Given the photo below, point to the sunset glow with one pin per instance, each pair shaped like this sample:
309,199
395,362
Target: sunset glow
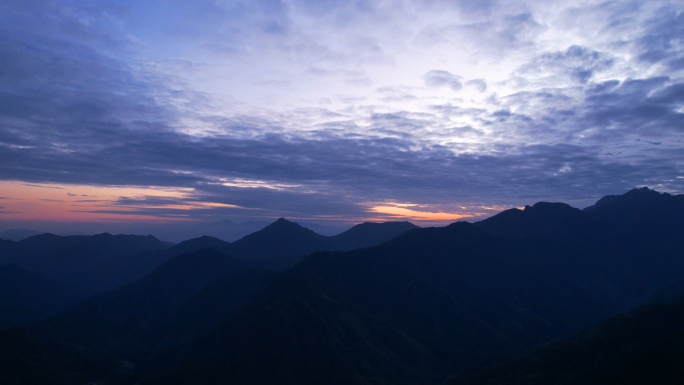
397,212
60,202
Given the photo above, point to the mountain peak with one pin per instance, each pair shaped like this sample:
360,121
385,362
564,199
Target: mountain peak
636,196
283,223
550,208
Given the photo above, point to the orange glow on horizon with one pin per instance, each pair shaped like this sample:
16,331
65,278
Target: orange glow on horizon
71,203
401,211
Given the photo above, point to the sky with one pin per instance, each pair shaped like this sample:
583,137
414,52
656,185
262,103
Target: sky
332,112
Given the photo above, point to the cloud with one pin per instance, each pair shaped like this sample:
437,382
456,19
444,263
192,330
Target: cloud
478,84
438,78
221,104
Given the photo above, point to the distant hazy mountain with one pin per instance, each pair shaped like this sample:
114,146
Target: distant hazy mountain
642,347
86,262
17,234
123,269
26,297
225,230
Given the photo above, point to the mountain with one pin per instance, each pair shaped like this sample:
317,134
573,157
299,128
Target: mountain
26,297
9,251
86,262
415,309
225,230
27,360
641,212
285,239
17,234
195,244
280,239
189,294
140,318
642,347
433,301
369,234
410,310
623,247
118,270
541,219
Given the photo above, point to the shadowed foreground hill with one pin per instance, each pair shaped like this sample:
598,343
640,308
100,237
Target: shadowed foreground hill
415,308
27,297
642,347
127,322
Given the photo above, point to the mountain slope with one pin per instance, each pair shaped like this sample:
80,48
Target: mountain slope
410,310
285,239
369,234
542,219
81,261
17,234
26,297
280,239
642,347
641,212
108,322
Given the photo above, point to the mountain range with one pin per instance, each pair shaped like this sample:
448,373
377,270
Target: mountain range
466,303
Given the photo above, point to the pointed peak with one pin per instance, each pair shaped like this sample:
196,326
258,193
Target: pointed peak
283,223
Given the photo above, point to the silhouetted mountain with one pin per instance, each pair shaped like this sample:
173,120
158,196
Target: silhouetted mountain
369,234
642,347
27,360
108,322
123,269
641,212
9,251
278,240
185,297
414,309
544,219
225,230
17,234
202,312
26,297
409,310
196,244
624,247
119,323
285,239
86,262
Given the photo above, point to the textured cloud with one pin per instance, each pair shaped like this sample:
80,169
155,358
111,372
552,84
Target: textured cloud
437,78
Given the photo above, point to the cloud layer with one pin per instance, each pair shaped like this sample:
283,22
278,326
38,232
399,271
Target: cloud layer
328,110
